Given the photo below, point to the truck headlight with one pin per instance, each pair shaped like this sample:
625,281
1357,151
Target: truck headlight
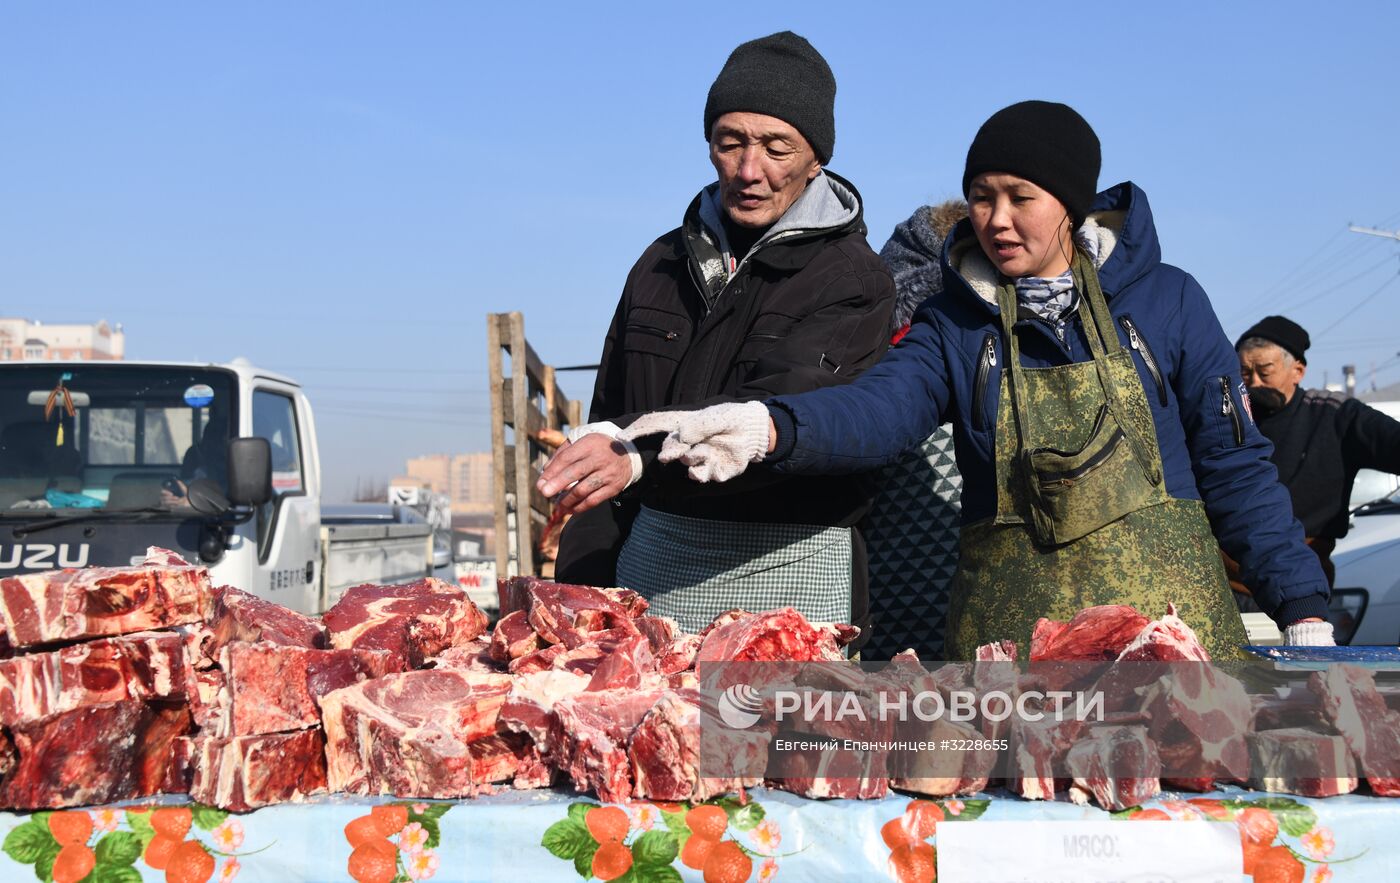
1344,611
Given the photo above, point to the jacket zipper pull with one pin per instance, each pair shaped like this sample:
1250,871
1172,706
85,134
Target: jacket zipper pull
991,353
1133,340
1226,406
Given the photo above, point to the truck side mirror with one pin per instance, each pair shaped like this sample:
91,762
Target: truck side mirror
249,471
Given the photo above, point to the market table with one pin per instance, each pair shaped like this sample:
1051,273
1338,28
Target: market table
544,835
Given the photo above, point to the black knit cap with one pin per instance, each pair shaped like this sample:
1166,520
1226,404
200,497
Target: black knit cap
781,76
1282,331
1046,143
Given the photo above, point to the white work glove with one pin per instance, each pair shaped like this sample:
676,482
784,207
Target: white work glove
716,443
614,432
1309,634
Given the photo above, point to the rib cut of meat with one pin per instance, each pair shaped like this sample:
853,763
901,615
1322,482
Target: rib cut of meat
782,635
270,688
239,616
590,736
411,734
77,758
1116,766
98,602
1371,730
665,752
414,621
1094,633
246,772
148,665
1298,761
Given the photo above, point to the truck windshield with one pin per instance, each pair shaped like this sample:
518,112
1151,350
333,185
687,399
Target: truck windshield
114,436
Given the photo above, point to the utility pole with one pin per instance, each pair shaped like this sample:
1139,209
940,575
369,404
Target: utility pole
1372,231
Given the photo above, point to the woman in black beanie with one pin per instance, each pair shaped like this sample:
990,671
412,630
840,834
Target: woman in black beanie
1096,406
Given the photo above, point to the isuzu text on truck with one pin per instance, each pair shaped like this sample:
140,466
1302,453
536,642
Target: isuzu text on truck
99,460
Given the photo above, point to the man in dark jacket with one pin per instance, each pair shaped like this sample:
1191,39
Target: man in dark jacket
1321,439
767,287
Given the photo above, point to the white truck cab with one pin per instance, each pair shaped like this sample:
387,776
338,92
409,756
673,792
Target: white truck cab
99,460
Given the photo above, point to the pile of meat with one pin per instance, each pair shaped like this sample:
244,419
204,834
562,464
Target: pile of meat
1189,727
121,683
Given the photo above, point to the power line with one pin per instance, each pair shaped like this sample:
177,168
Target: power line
1365,300
1313,295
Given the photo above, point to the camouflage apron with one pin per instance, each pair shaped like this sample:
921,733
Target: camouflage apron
1083,516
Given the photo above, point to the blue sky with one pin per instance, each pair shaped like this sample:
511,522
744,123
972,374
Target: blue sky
343,191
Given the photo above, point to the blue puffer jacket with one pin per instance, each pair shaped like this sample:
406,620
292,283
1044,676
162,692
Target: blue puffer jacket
948,368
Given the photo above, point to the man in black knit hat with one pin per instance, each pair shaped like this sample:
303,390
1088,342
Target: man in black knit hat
767,287
1321,439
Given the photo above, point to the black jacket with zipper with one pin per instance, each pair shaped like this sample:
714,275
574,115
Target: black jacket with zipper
802,311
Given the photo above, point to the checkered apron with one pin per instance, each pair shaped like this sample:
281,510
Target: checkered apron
693,569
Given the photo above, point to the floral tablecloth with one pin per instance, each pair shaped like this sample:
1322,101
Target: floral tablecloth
553,835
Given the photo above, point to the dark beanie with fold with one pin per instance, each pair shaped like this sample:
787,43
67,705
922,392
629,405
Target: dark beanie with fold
1046,143
1282,331
781,76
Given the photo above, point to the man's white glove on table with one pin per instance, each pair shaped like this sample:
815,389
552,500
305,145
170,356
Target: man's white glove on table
716,443
1309,634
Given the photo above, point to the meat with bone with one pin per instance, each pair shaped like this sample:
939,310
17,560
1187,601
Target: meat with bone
1038,749
1201,718
1372,731
81,757
665,752
940,773
589,741
269,688
1298,761
162,761
660,631
414,621
565,614
513,637
239,616
1117,767
679,655
474,656
413,734
777,635
529,706
627,663
1168,639
246,772
1093,634
99,602
146,665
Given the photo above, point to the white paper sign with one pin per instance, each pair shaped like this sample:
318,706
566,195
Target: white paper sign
1089,852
